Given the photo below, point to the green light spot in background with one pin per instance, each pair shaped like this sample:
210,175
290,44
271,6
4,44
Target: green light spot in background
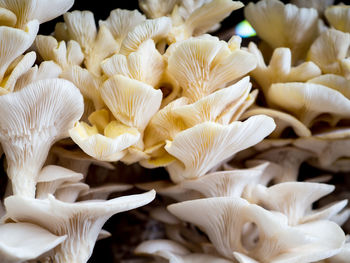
244,29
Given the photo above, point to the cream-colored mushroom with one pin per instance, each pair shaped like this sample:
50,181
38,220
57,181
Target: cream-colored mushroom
41,10
132,102
156,29
280,68
202,17
293,27
20,242
14,42
202,147
203,65
19,67
52,177
32,120
120,22
81,221
339,17
63,54
145,64
335,82
46,70
283,121
307,101
224,183
157,8
330,51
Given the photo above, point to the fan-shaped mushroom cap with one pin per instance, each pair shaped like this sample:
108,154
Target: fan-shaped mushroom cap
41,10
20,242
65,55
205,145
326,150
157,8
293,27
81,221
51,177
339,17
204,64
69,191
295,199
131,102
200,18
46,70
14,42
329,52
108,147
307,101
333,81
223,219
145,64
120,22
155,29
15,71
32,120
224,183
280,68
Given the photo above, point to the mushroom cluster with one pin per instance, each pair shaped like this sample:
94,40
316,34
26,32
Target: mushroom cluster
231,125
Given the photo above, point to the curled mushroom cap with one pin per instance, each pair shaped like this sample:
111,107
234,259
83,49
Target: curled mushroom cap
329,52
204,64
51,177
41,10
280,68
14,42
81,221
293,27
307,101
33,119
120,22
295,199
156,8
194,18
145,64
339,17
155,29
224,218
205,145
24,241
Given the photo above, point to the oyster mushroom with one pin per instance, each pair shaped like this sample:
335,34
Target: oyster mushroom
33,119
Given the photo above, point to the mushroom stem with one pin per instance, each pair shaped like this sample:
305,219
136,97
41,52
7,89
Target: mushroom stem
23,183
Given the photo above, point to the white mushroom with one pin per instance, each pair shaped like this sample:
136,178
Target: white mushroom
81,221
51,177
20,242
205,145
293,27
42,10
32,120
